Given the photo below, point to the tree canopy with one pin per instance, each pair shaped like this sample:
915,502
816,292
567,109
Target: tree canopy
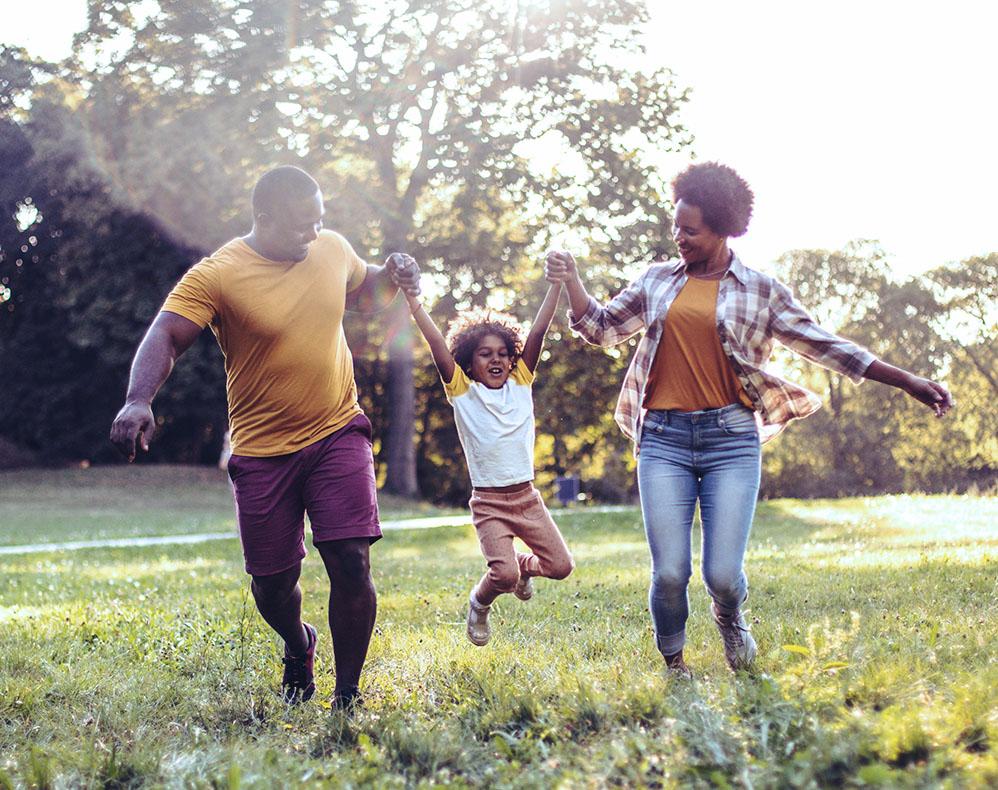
472,135
416,116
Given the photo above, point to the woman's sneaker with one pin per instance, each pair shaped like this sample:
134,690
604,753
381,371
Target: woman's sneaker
298,684
524,589
739,646
677,667
478,622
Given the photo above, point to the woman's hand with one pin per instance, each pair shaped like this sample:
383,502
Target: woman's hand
930,393
559,267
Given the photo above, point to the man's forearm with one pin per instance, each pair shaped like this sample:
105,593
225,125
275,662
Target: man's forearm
151,367
376,293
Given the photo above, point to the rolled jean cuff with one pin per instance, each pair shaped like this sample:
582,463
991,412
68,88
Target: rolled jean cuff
670,645
729,611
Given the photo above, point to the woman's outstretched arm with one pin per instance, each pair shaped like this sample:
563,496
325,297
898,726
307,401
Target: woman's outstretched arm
793,326
929,392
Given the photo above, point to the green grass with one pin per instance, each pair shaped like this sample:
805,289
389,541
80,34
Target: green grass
132,667
43,506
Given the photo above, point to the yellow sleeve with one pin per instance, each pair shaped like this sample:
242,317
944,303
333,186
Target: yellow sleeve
521,373
195,297
459,383
356,266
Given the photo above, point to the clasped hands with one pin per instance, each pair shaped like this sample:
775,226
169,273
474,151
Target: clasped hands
404,272
559,266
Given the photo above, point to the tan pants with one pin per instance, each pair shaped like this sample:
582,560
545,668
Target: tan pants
500,517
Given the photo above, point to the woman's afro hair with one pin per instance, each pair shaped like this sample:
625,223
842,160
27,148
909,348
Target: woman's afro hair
723,197
467,330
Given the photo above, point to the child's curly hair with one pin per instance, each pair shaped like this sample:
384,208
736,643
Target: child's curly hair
467,330
723,197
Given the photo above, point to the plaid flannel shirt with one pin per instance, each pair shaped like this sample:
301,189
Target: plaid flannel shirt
753,310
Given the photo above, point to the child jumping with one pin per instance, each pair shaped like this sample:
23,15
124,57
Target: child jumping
487,370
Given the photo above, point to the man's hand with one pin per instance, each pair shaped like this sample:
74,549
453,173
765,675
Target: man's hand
134,420
930,393
404,272
559,267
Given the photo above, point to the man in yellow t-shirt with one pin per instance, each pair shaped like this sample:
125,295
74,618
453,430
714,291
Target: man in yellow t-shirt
274,300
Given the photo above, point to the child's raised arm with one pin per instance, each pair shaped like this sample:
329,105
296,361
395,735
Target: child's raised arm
535,338
434,338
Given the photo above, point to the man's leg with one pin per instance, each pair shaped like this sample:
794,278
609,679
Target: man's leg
270,513
278,599
342,503
352,609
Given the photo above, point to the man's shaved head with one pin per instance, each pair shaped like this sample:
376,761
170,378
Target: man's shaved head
287,214
281,186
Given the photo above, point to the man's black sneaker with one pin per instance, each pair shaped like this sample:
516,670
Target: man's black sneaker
347,700
298,684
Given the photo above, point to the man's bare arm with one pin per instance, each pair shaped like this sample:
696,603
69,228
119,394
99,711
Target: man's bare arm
382,283
169,336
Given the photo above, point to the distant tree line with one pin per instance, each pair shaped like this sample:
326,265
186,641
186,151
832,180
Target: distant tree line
121,170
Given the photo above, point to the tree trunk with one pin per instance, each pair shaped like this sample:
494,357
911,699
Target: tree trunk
400,455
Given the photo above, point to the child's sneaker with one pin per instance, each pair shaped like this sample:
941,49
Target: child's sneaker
524,589
298,683
739,646
478,622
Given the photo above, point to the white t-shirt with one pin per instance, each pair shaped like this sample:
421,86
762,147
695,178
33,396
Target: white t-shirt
496,426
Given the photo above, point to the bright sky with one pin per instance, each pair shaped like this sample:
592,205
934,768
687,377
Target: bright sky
855,119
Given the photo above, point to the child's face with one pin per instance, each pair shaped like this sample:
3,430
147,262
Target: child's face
491,364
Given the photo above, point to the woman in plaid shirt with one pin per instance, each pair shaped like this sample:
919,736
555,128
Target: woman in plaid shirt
698,402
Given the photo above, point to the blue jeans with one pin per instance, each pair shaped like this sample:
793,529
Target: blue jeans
712,456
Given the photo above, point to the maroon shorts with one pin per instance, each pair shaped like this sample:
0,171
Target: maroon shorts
332,480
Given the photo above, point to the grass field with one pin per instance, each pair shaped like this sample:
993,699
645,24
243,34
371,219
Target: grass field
876,621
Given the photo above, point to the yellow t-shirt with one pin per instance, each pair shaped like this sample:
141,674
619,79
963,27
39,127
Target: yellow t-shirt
289,372
691,371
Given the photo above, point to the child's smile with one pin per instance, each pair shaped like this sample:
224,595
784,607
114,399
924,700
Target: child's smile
491,363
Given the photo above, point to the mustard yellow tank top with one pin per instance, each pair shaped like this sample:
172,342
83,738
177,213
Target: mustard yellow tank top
691,371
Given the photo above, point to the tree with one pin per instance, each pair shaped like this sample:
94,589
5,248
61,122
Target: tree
415,115
80,278
873,439
968,292
842,290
